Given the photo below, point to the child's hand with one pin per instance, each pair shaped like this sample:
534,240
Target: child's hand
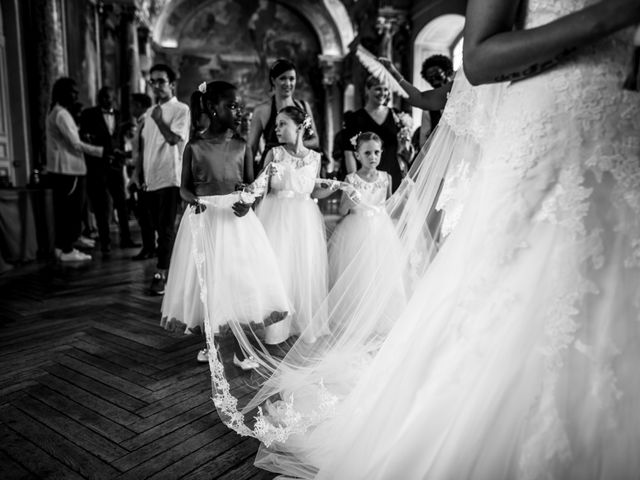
240,209
198,207
328,184
352,194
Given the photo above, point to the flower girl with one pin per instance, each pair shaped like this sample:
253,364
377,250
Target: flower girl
294,224
224,275
365,244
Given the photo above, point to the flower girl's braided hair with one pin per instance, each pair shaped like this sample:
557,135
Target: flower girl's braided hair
299,117
362,137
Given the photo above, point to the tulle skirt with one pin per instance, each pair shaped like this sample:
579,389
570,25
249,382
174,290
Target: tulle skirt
295,227
365,246
182,309
238,270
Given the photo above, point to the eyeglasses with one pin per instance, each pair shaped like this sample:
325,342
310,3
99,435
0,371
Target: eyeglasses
158,81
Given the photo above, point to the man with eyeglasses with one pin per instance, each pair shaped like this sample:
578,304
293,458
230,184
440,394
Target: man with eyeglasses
162,140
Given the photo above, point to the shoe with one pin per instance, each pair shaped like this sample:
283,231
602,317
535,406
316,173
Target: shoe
203,356
106,249
157,284
57,252
84,242
143,255
74,256
129,244
247,364
87,240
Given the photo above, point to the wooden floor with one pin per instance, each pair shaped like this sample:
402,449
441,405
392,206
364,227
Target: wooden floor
92,387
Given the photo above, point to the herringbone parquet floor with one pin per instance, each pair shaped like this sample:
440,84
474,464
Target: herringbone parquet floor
91,386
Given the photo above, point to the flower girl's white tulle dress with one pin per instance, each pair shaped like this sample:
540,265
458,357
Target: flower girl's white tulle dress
365,244
295,227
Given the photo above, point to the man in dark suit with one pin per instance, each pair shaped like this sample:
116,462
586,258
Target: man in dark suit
101,126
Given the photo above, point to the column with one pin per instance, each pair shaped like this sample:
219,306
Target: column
331,68
392,26
129,58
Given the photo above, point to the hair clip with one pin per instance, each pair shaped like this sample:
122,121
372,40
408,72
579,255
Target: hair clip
354,140
203,87
306,123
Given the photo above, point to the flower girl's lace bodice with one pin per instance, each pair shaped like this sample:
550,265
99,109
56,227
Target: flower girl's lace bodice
372,195
294,174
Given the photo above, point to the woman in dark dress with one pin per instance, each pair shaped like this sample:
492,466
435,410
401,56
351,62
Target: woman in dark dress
282,76
380,119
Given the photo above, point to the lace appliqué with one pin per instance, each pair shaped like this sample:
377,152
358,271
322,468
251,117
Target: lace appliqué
281,156
281,420
381,182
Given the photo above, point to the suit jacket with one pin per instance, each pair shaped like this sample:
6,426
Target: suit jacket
93,129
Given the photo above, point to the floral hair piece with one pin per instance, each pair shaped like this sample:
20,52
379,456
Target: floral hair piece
203,87
306,124
354,140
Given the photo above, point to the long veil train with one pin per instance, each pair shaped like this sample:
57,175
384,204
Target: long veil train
299,385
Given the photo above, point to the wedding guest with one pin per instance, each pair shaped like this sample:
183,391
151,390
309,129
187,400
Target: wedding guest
382,120
66,168
101,125
140,103
282,77
163,137
437,71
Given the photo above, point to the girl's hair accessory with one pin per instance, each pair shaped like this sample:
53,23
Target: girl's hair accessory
362,137
306,123
354,140
203,87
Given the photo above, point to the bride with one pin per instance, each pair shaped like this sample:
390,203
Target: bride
517,355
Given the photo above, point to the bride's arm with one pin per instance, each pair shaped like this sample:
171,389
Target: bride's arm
495,52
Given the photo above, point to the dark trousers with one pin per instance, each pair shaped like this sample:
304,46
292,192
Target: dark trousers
143,214
68,202
103,183
163,206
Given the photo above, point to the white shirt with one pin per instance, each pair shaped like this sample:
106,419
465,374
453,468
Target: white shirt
64,147
162,162
110,121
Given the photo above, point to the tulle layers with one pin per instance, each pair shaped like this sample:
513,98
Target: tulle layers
518,361
238,273
363,245
516,355
182,310
295,228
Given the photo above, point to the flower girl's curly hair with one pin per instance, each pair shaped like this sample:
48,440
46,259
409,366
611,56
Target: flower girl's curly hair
299,117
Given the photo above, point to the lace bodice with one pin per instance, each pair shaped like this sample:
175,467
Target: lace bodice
587,87
372,194
294,174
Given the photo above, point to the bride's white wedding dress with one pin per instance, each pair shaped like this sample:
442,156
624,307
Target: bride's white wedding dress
518,355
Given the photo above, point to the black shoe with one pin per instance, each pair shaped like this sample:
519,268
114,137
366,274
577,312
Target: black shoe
157,284
106,249
129,244
143,255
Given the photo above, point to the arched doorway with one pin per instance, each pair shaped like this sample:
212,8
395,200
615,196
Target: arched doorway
236,40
